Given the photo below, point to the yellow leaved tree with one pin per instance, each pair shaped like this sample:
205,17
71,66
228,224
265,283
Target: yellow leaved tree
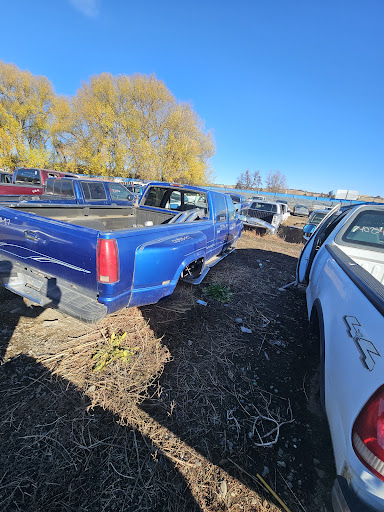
130,126
133,126
25,109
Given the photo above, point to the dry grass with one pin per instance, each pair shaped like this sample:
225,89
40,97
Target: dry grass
186,411
119,387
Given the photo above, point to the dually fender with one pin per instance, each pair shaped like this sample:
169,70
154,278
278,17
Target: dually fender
160,262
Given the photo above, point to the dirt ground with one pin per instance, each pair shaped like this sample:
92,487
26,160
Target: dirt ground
188,418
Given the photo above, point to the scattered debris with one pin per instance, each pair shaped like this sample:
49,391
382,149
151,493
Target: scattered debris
202,302
320,473
50,323
246,330
223,489
277,343
284,288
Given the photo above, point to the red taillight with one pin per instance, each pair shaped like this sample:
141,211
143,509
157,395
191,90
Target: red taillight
368,434
107,261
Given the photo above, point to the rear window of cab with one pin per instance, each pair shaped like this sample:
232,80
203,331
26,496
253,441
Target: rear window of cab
367,229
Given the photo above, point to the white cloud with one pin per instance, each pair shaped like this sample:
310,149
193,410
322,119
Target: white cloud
89,8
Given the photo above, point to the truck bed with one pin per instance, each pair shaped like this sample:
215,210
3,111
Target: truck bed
110,218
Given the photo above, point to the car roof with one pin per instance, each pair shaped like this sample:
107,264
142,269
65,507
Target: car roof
320,211
267,202
235,194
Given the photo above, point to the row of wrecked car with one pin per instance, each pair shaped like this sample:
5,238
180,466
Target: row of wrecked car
260,213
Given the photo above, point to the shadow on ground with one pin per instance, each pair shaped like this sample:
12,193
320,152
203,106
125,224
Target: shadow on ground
60,455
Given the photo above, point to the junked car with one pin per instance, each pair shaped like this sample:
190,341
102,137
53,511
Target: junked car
238,200
343,267
90,260
314,220
266,215
284,209
283,201
301,210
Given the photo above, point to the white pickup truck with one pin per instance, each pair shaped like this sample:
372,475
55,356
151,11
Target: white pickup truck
343,267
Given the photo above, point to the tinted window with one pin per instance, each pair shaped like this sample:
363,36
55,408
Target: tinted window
156,197
5,178
67,188
49,187
231,209
220,207
28,176
367,229
118,192
235,198
94,191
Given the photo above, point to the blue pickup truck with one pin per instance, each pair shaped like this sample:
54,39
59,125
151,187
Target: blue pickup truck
85,191
91,260
78,191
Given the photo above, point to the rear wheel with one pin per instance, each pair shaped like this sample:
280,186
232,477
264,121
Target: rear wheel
193,270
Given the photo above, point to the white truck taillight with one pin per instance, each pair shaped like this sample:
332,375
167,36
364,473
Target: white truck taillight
107,261
368,434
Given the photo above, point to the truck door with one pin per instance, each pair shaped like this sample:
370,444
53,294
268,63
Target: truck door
233,224
314,243
220,222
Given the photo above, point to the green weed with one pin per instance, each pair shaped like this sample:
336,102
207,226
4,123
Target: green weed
218,292
113,352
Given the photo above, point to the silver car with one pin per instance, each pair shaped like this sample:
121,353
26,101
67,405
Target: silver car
300,209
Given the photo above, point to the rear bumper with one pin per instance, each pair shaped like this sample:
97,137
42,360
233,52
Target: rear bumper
50,292
344,499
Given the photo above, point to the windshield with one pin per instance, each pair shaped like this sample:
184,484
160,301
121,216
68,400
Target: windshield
316,217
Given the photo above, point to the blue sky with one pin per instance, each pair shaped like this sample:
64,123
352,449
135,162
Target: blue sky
295,86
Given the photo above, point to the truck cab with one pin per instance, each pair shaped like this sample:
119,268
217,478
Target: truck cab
32,176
